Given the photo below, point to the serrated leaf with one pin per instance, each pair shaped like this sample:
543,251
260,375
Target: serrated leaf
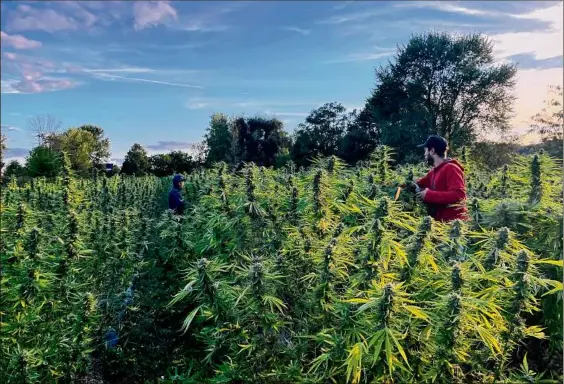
558,263
189,318
398,346
417,312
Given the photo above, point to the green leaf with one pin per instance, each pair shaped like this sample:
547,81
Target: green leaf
417,312
354,363
558,263
318,361
274,302
378,340
557,288
488,339
388,347
525,363
189,319
400,349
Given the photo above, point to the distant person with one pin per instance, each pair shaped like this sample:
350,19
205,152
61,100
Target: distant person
442,189
175,200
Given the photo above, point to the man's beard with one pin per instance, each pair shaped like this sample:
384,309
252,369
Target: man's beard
429,159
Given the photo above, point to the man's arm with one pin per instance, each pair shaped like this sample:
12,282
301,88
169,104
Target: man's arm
425,181
179,202
455,192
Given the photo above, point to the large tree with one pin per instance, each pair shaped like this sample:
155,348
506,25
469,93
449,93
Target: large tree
165,164
43,127
43,161
101,150
321,133
136,161
218,139
79,144
258,140
548,122
160,165
441,84
361,139
13,170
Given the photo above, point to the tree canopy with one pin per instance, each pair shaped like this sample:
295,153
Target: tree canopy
43,162
257,139
321,133
218,139
136,161
441,84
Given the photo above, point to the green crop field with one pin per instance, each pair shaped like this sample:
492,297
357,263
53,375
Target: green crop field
283,276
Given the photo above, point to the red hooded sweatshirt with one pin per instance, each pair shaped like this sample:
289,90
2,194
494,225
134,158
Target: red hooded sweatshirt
446,195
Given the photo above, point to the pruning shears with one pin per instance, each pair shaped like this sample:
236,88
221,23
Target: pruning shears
413,186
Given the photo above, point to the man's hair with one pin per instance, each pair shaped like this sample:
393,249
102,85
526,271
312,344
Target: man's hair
441,152
438,143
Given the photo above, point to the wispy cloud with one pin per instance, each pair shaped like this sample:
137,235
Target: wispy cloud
120,70
152,13
24,74
205,102
362,56
18,41
27,18
301,31
109,76
342,4
10,128
170,145
197,105
446,6
287,114
14,153
38,85
543,44
356,16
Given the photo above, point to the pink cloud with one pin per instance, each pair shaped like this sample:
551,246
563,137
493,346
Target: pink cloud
10,55
30,19
27,75
41,85
18,41
152,13
70,15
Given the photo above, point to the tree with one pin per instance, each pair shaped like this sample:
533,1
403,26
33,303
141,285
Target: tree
441,84
160,165
321,133
361,139
79,144
174,162
218,139
101,151
13,170
181,162
548,122
43,162
258,140
136,161
43,126
2,150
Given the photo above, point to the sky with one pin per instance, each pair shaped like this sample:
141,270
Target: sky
154,72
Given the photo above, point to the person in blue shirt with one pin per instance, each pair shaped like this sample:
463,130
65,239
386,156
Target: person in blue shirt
175,200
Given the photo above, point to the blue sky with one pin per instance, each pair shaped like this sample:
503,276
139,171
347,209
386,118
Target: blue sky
154,72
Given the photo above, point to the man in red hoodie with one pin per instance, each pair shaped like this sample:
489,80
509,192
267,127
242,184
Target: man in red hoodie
443,189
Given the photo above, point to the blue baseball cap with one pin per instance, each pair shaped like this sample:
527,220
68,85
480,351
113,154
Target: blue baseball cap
178,178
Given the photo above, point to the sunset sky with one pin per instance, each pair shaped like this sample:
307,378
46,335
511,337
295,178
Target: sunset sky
153,72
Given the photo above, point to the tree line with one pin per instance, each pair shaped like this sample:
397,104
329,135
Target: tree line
438,83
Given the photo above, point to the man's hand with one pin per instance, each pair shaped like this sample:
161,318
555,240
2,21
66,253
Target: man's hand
422,194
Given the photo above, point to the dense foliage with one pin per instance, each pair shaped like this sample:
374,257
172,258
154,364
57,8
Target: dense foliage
283,276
